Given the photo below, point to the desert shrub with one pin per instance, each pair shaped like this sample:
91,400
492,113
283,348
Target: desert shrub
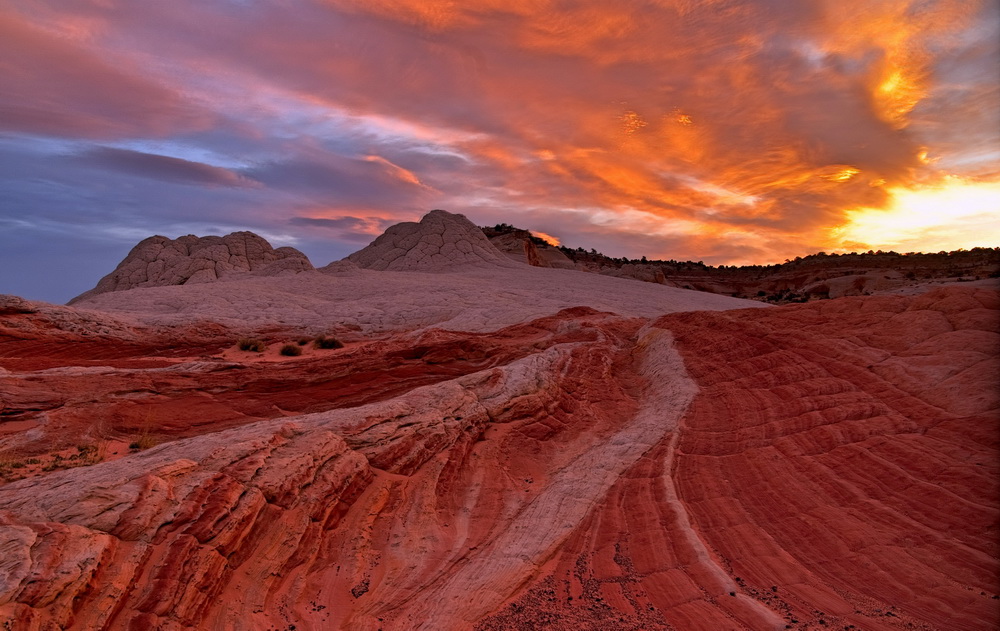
291,350
327,342
304,340
144,441
251,344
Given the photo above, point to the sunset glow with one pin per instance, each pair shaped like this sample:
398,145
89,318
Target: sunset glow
945,217
750,131
548,238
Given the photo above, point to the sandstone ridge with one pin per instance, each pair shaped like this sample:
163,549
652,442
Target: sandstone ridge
159,261
830,465
439,241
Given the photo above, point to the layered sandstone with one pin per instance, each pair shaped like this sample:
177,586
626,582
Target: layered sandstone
502,446
816,466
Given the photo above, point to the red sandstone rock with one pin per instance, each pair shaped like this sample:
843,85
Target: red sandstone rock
819,465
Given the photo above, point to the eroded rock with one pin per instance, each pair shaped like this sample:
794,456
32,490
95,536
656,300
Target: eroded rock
439,241
159,261
825,465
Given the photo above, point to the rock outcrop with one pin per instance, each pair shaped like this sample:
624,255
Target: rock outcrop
159,261
818,276
827,465
10,305
638,271
439,241
520,246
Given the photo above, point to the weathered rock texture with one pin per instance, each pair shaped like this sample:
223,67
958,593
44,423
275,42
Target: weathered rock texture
439,241
828,465
159,261
520,246
468,298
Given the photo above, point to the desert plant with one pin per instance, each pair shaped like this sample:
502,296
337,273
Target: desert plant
327,342
291,350
142,441
251,344
87,454
303,341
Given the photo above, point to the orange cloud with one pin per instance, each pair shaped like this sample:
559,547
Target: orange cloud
714,129
398,171
548,238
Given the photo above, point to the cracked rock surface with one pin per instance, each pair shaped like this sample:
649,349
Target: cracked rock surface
440,241
159,261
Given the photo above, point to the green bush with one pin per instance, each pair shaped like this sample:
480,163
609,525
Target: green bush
291,350
327,342
251,344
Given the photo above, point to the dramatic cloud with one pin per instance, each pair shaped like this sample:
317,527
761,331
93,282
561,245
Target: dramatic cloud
727,131
161,167
54,84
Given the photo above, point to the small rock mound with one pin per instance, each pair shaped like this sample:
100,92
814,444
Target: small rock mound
159,261
11,305
441,240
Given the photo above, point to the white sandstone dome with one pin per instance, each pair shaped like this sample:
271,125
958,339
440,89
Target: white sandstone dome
159,261
440,241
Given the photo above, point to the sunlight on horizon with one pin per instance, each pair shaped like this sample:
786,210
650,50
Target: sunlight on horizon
958,214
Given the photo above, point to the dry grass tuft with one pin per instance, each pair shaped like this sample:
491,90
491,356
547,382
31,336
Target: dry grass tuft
251,344
327,342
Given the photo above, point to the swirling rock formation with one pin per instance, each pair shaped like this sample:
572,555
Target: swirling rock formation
159,261
498,447
828,465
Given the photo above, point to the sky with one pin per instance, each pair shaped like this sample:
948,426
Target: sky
726,131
